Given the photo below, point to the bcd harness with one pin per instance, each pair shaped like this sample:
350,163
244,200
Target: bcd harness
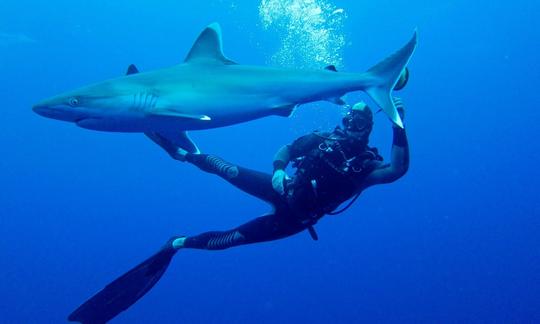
329,174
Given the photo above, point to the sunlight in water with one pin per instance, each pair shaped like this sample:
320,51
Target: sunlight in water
311,32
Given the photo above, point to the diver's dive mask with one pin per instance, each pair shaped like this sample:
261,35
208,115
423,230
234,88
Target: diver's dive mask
359,119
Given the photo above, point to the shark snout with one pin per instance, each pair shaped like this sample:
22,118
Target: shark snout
46,111
56,112
42,110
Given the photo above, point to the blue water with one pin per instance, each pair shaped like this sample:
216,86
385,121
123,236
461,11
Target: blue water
455,241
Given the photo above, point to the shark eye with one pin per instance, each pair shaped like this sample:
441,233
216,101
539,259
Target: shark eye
73,102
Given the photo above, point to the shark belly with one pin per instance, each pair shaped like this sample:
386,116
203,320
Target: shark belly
113,124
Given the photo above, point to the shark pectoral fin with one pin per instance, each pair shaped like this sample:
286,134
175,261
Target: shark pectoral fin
172,114
208,47
386,74
170,141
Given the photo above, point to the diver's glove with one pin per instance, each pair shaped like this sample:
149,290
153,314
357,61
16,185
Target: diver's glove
278,181
400,108
400,137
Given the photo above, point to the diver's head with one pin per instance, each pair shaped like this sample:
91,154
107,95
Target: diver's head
358,122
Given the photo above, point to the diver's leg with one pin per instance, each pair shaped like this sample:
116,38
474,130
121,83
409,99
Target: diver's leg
253,182
262,229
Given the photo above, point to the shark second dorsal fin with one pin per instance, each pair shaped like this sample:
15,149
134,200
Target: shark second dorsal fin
132,69
207,47
331,68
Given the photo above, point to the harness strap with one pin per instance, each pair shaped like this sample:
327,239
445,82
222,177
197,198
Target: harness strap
346,207
312,232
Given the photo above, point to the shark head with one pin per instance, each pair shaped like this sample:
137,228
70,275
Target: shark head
71,106
90,105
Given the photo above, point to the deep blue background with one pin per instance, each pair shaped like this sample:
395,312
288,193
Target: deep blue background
454,241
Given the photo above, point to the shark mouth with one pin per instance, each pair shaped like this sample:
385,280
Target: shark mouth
91,123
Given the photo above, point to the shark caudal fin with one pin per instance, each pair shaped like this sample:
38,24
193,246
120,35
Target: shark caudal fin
386,75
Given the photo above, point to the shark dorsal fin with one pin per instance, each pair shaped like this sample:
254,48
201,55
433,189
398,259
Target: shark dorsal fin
132,69
207,47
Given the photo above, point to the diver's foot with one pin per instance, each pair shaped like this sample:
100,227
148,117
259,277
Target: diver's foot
178,243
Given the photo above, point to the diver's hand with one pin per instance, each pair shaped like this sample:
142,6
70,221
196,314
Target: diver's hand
278,181
400,107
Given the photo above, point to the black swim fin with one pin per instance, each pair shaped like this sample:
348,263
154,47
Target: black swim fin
123,292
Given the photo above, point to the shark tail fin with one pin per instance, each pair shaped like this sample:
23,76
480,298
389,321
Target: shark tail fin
386,74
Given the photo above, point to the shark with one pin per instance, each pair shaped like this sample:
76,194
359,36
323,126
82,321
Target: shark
208,90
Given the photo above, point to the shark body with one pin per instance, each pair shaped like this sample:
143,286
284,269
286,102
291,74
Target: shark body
208,90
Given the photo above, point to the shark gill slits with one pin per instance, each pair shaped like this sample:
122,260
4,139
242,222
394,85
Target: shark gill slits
145,105
154,101
138,101
144,101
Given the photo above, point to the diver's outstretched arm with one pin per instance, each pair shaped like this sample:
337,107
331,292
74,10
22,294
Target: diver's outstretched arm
281,160
399,158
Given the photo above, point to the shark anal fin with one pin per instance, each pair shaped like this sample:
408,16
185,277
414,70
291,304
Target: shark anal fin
132,69
208,47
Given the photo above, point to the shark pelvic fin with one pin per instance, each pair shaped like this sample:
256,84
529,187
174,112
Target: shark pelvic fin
208,47
132,69
337,101
171,140
284,111
386,74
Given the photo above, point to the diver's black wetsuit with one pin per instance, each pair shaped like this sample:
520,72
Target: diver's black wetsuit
282,222
292,213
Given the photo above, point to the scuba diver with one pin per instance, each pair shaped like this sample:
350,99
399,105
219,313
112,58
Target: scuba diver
331,168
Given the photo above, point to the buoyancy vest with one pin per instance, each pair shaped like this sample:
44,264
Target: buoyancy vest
331,172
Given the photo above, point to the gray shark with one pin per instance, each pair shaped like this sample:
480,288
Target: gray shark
209,90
